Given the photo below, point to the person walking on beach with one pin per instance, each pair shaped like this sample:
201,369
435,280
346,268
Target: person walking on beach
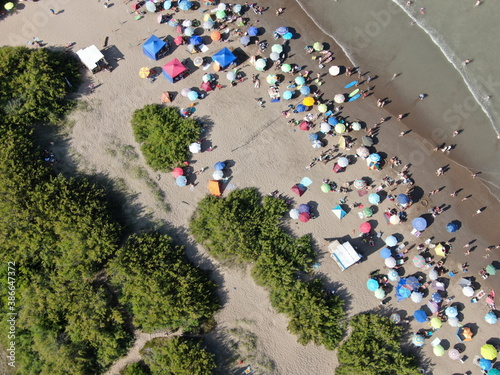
466,62
478,211
52,11
400,117
439,172
421,96
455,193
279,11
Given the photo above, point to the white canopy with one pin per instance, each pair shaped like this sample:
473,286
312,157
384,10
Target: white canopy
90,56
343,254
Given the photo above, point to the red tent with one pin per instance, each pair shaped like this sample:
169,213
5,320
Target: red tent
206,86
337,168
299,189
304,217
365,227
173,70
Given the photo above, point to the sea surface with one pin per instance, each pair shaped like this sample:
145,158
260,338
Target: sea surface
427,49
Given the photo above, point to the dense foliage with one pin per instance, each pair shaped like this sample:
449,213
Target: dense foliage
373,348
136,369
177,356
242,227
163,289
164,135
33,84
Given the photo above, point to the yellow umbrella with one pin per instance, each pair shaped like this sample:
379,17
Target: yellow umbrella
488,351
144,72
342,144
436,323
9,6
439,249
308,101
322,108
207,17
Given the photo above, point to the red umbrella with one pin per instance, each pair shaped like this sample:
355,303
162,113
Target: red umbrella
177,172
304,217
178,29
304,125
178,40
136,6
365,227
206,86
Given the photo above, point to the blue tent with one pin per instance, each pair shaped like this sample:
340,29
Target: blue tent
153,46
224,57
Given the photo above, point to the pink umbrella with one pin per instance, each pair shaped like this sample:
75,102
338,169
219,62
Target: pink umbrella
304,217
365,227
178,29
178,40
454,354
177,172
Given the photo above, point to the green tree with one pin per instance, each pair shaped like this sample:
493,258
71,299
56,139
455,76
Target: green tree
139,368
373,348
178,356
164,135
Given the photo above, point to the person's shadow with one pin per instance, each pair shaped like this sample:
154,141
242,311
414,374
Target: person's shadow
60,12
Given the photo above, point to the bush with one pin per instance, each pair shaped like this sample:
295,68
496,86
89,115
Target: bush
139,368
164,135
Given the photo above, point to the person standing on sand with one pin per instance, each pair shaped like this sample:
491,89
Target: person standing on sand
439,172
478,212
52,11
400,117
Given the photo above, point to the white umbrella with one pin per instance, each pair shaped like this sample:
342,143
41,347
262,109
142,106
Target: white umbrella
187,23
393,275
334,70
417,297
231,76
339,98
218,175
325,127
343,162
379,293
294,213
208,25
185,91
394,219
274,56
433,274
390,262
454,322
189,31
317,144
222,6
468,291
195,147
356,126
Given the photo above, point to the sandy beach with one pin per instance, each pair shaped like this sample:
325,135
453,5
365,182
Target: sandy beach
265,152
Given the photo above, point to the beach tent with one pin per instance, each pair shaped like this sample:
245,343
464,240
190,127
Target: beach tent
153,47
92,58
343,254
224,58
214,188
299,189
173,70
338,211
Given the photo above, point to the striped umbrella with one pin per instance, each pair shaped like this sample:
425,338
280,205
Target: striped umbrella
419,261
418,340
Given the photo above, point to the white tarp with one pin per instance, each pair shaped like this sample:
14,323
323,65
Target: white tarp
343,254
90,56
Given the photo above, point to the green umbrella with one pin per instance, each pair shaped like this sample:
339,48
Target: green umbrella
438,350
325,188
322,108
220,14
318,46
285,68
379,293
9,6
278,48
436,323
260,64
490,269
368,212
488,351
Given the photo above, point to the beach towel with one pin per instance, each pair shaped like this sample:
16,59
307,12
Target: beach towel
306,181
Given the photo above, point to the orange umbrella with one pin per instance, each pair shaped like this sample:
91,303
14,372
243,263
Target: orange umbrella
215,35
144,72
214,188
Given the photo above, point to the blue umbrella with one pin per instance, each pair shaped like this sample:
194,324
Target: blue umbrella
451,227
485,364
185,5
300,80
288,36
393,275
181,181
391,241
403,199
451,312
305,90
419,223
300,108
253,31
237,8
219,166
282,30
420,316
374,198
374,157
167,5
196,40
312,136
245,40
192,95
436,297
333,121
287,95
385,253
490,318
304,208
404,292
372,285
417,340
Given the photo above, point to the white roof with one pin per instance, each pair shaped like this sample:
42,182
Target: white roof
90,56
344,254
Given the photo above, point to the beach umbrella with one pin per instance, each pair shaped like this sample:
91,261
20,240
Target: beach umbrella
287,95
181,181
395,318
325,188
185,91
304,125
177,172
167,4
245,40
278,48
359,184
178,40
339,128
451,227
207,77
222,6
374,157
451,312
485,364
339,98
454,354
374,198
215,35
494,371
367,211
440,250
274,56
272,79
367,141
416,297
252,31
160,18
334,70
196,40
391,241
403,199
338,211
419,261
294,213
454,322
282,30
237,8
260,64
365,227
379,293
438,350
333,120
312,136
144,72
189,31
220,14
219,166
385,253
436,323
9,6
231,76
178,29
300,108
185,4
187,23
393,275
491,270
317,144
433,274
420,316
173,22
322,108
304,217
343,162
288,36
195,147
419,223
218,175
403,293
362,152
468,291
372,285
325,127
394,219
417,340
305,90
390,262
300,81
208,25
436,297
488,351
432,306
490,318
192,95
318,46
356,126
151,7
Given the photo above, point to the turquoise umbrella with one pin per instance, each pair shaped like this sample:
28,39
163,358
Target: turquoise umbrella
287,95
192,95
372,285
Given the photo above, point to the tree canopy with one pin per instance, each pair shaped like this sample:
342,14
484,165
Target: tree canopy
373,348
164,135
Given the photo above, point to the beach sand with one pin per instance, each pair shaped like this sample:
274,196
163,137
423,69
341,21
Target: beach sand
264,152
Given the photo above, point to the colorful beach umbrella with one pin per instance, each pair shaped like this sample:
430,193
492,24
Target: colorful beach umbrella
454,354
300,81
185,4
252,31
451,312
178,40
436,297
372,285
418,340
215,35
490,318
245,40
272,79
219,166
260,64
325,188
367,211
419,261
167,4
488,351
403,198
144,72
340,128
196,40
393,275
485,364
177,172
419,223
491,270
438,350
287,95
436,323
282,30
322,108
365,227
451,227
220,14
440,250
304,217
395,318
317,144
192,95
494,371
305,90
9,6
333,120
359,184
318,46
278,48
288,36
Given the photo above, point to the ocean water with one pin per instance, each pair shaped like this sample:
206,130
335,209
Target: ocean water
427,49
